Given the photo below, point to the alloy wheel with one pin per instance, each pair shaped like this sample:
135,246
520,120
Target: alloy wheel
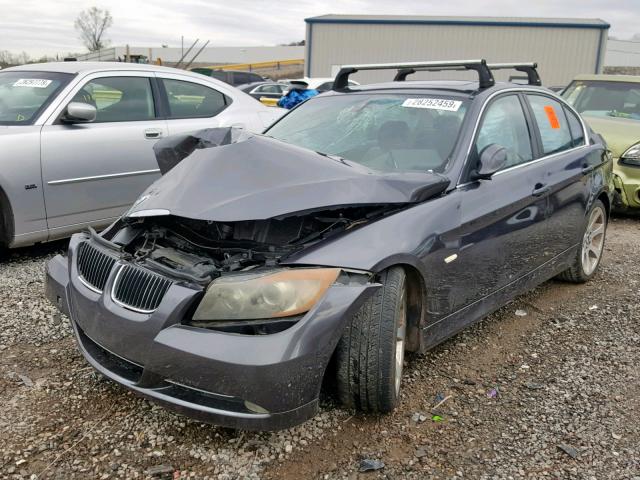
401,334
593,240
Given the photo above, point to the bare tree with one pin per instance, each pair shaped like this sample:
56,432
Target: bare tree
92,24
8,59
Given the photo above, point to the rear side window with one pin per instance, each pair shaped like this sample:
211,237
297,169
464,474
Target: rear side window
324,87
269,89
219,75
254,77
504,124
552,124
240,77
192,100
118,99
577,133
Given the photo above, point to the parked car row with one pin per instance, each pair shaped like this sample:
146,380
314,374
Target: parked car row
232,77
367,222
269,92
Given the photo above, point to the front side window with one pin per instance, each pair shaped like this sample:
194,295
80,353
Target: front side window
388,132
552,124
192,100
504,124
118,99
24,94
605,99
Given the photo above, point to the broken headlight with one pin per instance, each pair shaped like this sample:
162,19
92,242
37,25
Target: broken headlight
275,294
631,156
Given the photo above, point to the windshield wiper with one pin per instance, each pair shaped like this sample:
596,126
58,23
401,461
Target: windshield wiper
337,158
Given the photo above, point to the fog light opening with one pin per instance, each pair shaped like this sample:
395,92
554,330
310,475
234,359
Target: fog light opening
252,407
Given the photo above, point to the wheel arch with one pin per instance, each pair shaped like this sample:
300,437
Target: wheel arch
7,224
604,198
416,305
416,295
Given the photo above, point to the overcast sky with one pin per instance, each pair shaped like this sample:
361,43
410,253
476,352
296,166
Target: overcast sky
41,27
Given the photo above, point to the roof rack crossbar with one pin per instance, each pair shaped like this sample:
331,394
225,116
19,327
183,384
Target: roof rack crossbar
529,68
480,66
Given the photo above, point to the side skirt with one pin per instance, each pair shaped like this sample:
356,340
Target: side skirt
445,328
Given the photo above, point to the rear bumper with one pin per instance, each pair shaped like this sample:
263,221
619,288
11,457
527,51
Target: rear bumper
265,382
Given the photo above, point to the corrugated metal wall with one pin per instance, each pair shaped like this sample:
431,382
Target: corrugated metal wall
622,53
561,53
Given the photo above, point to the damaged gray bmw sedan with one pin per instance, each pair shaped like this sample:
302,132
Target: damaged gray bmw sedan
367,222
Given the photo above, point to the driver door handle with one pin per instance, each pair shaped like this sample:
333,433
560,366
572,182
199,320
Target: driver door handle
540,189
153,133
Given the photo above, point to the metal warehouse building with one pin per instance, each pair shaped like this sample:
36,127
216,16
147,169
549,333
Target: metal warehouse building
562,47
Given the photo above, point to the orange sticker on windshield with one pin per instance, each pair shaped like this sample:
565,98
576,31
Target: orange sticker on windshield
551,115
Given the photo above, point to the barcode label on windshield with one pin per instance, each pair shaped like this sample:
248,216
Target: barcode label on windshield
433,103
32,82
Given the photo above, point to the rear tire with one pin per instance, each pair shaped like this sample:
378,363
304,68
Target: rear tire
370,354
587,259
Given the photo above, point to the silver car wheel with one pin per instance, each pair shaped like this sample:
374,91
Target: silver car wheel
401,334
593,240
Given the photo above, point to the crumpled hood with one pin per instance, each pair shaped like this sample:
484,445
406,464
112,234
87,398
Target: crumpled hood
619,133
260,178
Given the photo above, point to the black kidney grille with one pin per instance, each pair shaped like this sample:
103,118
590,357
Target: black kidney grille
139,289
94,266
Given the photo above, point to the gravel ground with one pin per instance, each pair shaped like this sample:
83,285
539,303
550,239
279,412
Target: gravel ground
548,387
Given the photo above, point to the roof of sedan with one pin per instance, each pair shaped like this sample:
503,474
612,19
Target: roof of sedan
78,67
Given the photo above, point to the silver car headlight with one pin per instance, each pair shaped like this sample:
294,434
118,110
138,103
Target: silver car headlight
274,294
631,156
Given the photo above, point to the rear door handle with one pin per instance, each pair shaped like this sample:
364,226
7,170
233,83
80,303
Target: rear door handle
540,189
153,133
588,169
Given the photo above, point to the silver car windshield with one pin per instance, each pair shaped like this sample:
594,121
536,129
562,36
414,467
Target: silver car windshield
24,94
388,132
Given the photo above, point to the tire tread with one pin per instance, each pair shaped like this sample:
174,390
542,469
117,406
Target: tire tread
364,363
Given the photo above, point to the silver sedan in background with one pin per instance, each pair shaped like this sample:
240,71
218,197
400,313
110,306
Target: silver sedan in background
76,138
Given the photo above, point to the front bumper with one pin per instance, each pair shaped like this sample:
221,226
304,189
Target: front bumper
208,375
627,184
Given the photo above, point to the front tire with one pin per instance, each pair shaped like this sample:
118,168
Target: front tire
588,256
370,354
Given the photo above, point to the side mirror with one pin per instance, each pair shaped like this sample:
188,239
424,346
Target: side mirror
78,112
492,159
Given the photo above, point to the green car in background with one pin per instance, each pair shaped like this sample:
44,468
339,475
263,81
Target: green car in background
610,104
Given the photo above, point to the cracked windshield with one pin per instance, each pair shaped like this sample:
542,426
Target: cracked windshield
382,132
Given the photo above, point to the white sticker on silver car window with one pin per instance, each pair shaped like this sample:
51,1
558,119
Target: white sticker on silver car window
32,82
433,103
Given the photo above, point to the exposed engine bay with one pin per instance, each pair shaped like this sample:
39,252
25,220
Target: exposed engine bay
199,251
